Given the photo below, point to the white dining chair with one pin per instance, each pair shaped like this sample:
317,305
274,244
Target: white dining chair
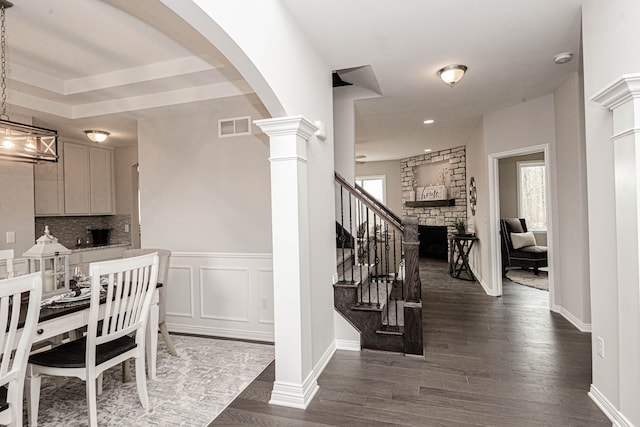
14,363
6,255
120,336
163,277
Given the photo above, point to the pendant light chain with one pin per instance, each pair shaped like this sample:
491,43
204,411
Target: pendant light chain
3,61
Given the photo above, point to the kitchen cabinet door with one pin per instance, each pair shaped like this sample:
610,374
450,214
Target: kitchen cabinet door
101,170
49,186
77,194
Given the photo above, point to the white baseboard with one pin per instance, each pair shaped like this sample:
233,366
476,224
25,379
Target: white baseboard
221,332
479,279
349,345
582,327
294,395
300,395
608,409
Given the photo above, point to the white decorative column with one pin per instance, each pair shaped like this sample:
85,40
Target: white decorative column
294,385
622,97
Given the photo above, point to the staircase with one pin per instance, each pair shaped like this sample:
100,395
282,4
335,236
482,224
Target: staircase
378,288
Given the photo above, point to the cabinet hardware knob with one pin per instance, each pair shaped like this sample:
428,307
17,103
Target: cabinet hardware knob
40,331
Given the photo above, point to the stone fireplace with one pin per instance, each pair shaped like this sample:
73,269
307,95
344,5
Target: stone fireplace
433,170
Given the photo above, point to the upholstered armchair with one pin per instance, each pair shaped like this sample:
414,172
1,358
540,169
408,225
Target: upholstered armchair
519,248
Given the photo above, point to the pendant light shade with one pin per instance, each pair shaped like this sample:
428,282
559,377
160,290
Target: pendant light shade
452,74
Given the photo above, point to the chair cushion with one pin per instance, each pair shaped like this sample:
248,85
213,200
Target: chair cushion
73,353
530,252
521,240
3,398
513,225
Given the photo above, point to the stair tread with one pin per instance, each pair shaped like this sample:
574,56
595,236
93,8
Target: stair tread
359,275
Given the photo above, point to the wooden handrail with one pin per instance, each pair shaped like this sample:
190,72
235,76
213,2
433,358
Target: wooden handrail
371,202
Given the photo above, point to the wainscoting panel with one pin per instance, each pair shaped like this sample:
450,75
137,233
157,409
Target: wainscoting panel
265,286
224,293
181,297
218,294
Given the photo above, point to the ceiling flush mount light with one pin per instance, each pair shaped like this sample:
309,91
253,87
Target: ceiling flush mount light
452,74
97,135
429,121
21,142
427,150
563,57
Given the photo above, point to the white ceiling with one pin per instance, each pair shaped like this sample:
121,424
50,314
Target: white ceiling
85,64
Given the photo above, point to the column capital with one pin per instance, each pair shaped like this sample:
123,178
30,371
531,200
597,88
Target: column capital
280,126
619,91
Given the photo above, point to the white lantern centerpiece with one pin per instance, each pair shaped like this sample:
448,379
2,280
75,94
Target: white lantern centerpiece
51,259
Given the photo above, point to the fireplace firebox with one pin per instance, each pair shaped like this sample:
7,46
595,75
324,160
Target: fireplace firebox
433,242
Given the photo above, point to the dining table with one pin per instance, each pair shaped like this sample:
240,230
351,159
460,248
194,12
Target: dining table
58,318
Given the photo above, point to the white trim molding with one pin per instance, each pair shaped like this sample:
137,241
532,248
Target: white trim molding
619,91
581,326
348,345
608,409
292,395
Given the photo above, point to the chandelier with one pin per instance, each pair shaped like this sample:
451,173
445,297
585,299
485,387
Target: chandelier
21,142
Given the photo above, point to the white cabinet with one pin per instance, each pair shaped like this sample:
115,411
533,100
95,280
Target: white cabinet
49,186
101,181
76,179
88,180
81,183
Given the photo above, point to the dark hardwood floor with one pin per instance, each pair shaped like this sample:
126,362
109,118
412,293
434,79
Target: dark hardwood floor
488,361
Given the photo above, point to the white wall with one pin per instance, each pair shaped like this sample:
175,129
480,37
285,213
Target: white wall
476,157
124,159
391,171
517,127
207,199
609,31
17,208
572,232
202,193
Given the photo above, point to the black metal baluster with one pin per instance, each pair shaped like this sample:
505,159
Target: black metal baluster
342,237
376,260
387,269
403,264
352,241
368,252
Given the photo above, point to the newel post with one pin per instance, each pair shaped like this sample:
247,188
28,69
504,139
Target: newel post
413,303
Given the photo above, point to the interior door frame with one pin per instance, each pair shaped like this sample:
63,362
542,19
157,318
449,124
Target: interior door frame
494,215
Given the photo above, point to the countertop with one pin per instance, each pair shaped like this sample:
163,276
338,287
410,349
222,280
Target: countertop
93,248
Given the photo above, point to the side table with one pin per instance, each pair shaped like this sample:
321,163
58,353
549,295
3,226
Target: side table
459,248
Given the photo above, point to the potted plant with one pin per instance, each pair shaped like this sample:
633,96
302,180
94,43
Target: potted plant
460,226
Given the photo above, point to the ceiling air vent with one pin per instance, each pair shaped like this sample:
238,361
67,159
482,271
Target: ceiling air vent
234,127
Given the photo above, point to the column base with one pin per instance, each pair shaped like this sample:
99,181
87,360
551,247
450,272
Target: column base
294,395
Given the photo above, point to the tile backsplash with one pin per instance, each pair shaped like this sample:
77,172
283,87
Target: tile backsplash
69,228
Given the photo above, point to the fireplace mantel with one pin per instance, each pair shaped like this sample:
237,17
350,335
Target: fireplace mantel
430,203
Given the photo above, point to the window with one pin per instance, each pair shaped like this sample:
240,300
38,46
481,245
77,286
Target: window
374,185
531,195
